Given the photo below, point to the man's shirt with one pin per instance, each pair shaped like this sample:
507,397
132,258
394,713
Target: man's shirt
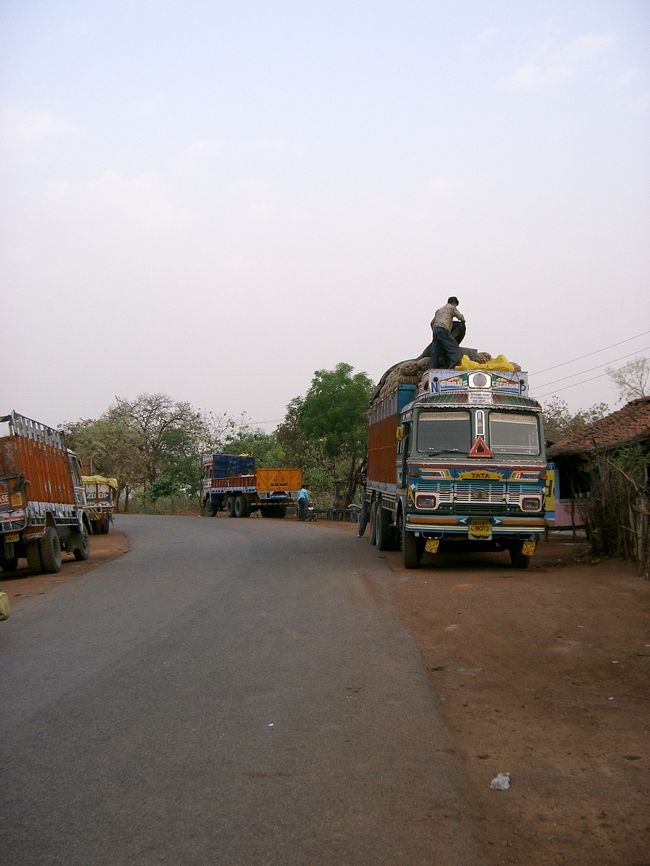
444,317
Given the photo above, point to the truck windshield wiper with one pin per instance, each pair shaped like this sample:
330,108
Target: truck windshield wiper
446,451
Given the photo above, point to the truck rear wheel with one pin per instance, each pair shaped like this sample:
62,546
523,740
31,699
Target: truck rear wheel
50,549
373,523
230,506
384,532
241,506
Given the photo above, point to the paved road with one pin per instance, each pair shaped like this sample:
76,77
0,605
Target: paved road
228,692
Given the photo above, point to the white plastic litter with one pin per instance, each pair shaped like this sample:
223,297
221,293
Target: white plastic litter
501,782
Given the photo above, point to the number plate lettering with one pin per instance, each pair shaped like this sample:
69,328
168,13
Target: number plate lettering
480,529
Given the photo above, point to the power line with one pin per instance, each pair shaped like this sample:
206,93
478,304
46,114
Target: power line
566,387
582,372
589,354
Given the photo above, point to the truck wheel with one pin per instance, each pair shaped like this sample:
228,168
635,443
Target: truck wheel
79,544
33,554
50,548
373,523
282,511
411,550
230,506
518,559
383,534
241,506
8,563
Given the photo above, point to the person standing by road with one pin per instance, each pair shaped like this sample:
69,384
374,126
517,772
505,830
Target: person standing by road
303,502
443,340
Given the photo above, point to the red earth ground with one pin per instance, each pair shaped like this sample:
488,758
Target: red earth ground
542,674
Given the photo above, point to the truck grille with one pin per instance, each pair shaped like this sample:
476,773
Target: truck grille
478,497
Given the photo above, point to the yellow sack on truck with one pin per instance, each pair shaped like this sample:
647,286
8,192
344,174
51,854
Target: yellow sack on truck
500,364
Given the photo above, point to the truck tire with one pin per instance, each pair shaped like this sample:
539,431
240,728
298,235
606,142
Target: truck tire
517,558
33,554
373,523
50,549
79,544
241,506
8,563
411,550
384,532
230,506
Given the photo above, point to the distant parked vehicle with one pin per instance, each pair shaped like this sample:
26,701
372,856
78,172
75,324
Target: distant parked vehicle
232,484
100,499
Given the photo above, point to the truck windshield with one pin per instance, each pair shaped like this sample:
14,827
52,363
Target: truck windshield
514,433
444,431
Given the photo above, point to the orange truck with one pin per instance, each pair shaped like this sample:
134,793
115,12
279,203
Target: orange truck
42,498
231,483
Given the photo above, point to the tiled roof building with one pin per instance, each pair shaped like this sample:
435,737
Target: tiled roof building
627,425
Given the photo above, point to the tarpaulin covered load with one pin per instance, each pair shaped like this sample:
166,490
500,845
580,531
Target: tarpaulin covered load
99,479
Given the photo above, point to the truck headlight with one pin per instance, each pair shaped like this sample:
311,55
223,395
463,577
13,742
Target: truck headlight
531,503
426,500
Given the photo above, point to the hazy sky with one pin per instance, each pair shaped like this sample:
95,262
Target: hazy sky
214,200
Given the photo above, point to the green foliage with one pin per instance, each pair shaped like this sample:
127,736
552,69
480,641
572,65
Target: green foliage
331,423
559,421
153,444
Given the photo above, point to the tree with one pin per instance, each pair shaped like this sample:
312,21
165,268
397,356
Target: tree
333,416
165,433
558,420
631,379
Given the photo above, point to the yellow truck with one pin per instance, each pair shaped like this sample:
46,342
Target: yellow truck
101,493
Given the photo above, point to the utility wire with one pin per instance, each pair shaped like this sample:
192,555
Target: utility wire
566,387
582,372
589,354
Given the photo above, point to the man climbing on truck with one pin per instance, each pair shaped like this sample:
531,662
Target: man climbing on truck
443,340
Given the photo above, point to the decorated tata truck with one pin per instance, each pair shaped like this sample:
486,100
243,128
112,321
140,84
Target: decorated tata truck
456,462
42,498
231,483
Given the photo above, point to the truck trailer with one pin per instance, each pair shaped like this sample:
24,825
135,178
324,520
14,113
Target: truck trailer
42,498
231,483
456,462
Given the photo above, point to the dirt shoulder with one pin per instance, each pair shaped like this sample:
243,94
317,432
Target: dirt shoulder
543,674
21,585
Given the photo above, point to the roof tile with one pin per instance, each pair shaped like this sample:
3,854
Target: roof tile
629,424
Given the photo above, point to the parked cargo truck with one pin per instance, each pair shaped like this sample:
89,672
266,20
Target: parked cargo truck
42,498
232,484
456,463
100,501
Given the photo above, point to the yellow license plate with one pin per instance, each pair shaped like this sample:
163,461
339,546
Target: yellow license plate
12,536
432,545
480,529
528,548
